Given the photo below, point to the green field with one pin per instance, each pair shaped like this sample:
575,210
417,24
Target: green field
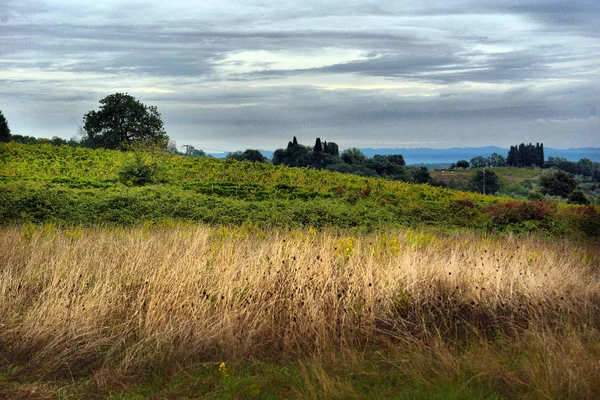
509,177
65,185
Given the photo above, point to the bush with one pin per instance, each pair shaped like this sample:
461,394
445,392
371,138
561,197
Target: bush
559,183
140,171
578,197
535,196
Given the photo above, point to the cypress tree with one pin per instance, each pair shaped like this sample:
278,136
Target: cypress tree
510,159
318,146
295,141
542,155
521,157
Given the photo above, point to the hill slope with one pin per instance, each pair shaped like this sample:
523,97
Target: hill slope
44,183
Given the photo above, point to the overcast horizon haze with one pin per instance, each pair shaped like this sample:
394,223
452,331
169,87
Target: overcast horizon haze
367,74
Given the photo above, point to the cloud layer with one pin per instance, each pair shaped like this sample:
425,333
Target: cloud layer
254,73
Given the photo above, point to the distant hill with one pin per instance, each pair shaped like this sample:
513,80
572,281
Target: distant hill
450,155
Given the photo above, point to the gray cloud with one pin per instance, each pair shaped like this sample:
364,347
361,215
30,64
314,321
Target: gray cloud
462,67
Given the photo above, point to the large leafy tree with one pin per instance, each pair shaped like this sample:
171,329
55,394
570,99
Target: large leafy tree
248,155
478,162
4,129
462,164
353,156
121,121
559,183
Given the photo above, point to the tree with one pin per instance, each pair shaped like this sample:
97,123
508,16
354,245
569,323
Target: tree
331,148
121,121
4,129
172,147
496,160
462,164
578,197
353,156
192,151
526,155
420,175
318,146
248,155
485,182
478,162
585,167
559,183
295,155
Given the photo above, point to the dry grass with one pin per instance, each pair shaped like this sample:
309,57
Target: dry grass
93,302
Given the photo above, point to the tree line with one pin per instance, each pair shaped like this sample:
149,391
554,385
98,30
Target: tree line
122,122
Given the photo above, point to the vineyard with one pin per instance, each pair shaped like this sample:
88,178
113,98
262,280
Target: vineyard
65,185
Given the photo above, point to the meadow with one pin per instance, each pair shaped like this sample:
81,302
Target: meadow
188,311
218,279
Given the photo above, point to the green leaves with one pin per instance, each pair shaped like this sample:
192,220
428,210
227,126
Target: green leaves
121,121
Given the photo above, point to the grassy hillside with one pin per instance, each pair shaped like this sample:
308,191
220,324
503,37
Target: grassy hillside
241,313
459,178
64,185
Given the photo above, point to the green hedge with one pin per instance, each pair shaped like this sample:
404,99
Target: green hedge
37,202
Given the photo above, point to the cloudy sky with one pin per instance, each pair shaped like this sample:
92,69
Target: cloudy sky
251,74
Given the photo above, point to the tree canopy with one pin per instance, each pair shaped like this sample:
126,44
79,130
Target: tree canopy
248,155
4,129
462,164
121,121
526,155
485,182
559,183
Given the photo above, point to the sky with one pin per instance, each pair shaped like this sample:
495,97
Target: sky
239,74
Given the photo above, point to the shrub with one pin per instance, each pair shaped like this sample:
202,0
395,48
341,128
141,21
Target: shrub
559,183
535,196
140,171
578,197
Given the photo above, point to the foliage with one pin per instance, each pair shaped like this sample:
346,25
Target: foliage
248,155
353,156
331,148
66,185
318,146
535,196
478,162
141,169
558,183
121,121
585,167
295,155
484,181
496,160
526,155
192,151
578,197
4,129
462,164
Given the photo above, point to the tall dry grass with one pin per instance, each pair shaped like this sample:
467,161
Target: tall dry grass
94,301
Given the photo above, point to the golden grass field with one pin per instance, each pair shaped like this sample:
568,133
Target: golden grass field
108,305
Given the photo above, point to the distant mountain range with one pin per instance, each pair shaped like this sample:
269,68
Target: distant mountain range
442,156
